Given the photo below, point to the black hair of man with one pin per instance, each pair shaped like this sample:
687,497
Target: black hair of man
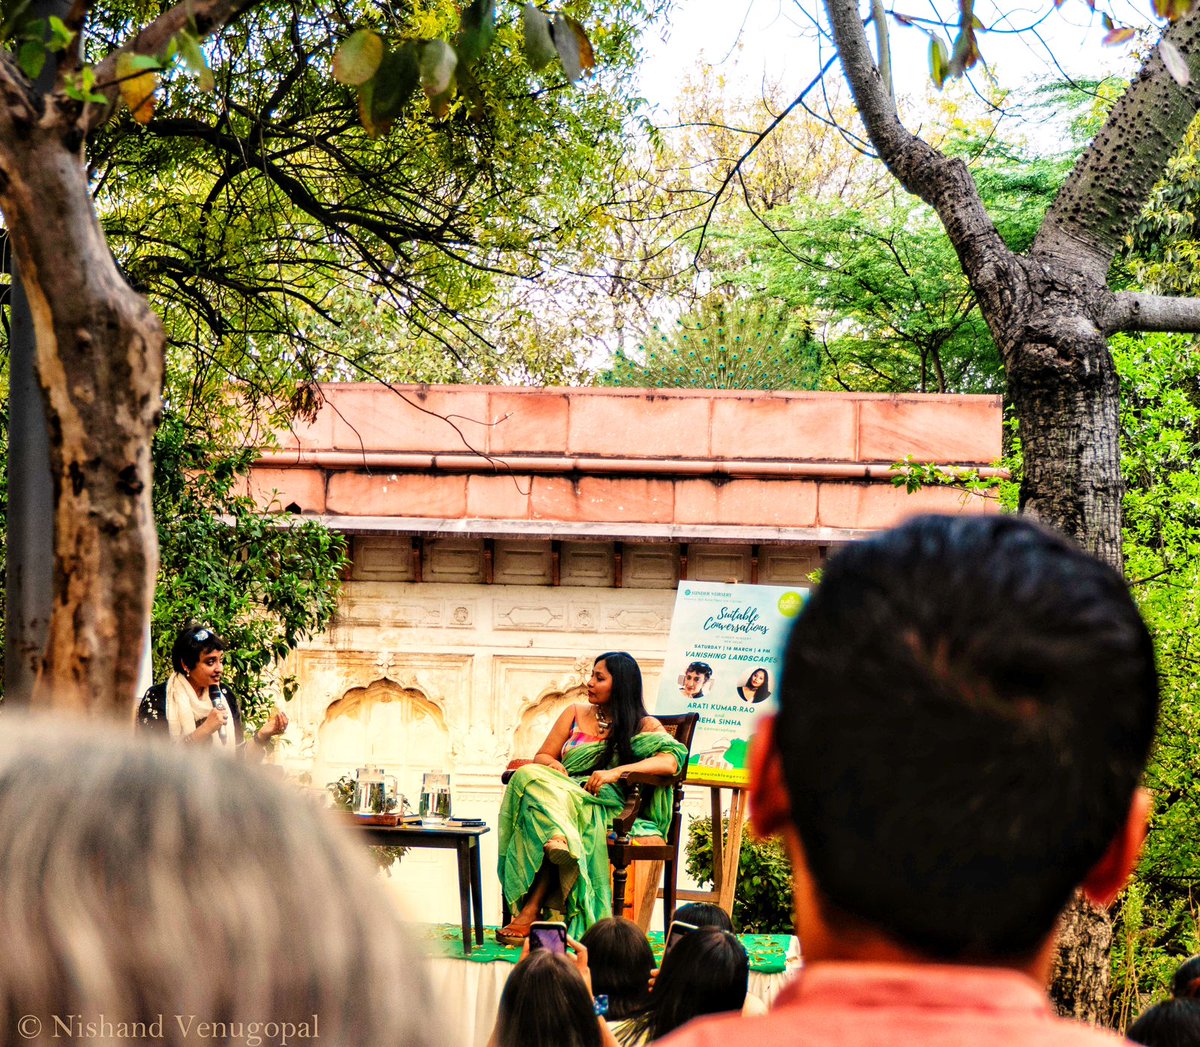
1186,983
1173,1023
966,708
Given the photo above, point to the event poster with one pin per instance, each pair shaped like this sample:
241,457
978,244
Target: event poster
723,660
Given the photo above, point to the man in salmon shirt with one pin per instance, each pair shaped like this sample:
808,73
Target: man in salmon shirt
966,708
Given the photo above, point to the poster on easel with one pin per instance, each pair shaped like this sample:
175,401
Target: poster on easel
723,660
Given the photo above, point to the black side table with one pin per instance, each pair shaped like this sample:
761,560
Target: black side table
464,839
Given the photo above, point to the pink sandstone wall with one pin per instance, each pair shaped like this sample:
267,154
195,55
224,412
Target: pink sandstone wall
674,458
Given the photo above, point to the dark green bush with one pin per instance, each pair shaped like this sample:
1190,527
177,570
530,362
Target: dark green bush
762,903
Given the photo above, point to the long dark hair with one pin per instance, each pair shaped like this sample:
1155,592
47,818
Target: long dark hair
545,1001
707,972
626,706
620,959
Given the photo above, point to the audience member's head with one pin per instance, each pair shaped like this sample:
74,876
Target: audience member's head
1186,983
620,959
546,1003
703,914
1175,1023
707,972
966,707
144,880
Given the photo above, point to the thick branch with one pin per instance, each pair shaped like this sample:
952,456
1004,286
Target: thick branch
1132,311
1112,179
201,16
17,101
942,182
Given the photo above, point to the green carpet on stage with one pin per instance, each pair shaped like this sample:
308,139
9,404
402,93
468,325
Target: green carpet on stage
767,951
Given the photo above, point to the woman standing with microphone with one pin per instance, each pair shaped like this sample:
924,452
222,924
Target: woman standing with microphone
193,707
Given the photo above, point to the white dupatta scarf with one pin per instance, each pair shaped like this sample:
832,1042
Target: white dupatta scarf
185,708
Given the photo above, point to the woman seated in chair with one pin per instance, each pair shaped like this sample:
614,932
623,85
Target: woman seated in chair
556,812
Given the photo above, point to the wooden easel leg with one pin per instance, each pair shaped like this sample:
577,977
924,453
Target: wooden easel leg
648,875
733,849
718,846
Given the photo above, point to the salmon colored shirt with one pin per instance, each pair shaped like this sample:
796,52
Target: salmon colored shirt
886,1005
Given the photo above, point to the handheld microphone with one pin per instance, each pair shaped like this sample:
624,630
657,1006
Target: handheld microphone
218,702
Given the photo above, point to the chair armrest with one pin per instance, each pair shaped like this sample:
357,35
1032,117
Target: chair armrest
662,781
513,765
638,785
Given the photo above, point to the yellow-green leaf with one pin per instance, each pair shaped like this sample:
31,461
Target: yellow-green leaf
358,57
137,86
938,60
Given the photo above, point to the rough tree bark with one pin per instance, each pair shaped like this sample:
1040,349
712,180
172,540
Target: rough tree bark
1051,312
100,364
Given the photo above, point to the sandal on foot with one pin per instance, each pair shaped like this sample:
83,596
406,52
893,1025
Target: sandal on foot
512,934
557,852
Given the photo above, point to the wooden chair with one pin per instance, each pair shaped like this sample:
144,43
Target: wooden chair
622,850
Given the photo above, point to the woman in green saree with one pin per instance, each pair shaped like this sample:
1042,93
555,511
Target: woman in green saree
556,812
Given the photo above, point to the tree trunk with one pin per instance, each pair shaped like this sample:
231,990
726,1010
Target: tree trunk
99,360
1082,968
1067,402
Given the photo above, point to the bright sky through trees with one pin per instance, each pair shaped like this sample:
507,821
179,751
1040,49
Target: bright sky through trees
749,40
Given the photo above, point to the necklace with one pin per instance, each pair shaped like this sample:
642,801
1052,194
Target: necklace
603,720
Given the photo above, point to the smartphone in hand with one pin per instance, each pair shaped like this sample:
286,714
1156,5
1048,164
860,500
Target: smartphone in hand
674,933
548,934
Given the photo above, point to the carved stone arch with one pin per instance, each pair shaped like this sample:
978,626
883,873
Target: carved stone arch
385,725
538,716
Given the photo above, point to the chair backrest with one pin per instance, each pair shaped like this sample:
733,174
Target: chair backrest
681,727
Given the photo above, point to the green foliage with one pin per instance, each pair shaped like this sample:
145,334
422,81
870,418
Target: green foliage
1158,921
1162,248
894,311
342,794
263,581
763,901
738,345
386,72
280,244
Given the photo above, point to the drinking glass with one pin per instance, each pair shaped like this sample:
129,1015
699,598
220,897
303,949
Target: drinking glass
435,797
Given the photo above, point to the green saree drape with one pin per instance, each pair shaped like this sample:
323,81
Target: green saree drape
540,803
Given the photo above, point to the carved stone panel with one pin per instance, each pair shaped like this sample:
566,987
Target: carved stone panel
719,563
650,566
584,617
453,560
522,563
640,618
788,564
587,563
529,615
381,558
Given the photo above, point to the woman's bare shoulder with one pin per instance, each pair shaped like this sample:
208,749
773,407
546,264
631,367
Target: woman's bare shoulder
651,726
